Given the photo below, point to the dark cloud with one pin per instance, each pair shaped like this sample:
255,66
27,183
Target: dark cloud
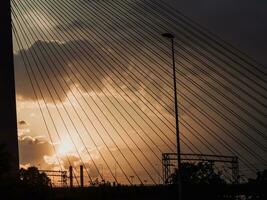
22,123
33,150
57,67
37,62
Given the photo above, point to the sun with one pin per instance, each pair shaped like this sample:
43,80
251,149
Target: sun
65,148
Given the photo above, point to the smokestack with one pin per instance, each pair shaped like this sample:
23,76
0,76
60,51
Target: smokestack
81,176
71,176
8,128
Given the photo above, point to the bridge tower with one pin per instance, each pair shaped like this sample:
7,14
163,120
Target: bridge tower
8,118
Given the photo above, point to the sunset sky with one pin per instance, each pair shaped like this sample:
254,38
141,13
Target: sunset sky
101,76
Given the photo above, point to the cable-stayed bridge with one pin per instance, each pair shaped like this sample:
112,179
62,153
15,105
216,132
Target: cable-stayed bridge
98,76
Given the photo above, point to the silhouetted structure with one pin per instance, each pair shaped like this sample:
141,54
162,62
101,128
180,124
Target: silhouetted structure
168,157
8,128
60,175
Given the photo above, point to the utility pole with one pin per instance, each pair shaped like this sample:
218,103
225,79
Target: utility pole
171,37
8,127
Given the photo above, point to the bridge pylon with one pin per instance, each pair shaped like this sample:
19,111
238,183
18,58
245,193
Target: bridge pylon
8,118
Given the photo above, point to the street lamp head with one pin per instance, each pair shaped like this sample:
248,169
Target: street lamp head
168,35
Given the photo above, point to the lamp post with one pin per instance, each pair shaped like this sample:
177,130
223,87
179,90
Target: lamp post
171,37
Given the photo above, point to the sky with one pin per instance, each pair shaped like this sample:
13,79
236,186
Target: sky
241,23
96,77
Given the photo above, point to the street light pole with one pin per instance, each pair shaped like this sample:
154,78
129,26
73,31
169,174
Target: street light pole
171,37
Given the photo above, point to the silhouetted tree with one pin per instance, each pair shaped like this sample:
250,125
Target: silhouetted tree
261,177
32,177
198,173
4,161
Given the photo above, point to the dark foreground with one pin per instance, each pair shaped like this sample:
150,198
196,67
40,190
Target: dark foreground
212,192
